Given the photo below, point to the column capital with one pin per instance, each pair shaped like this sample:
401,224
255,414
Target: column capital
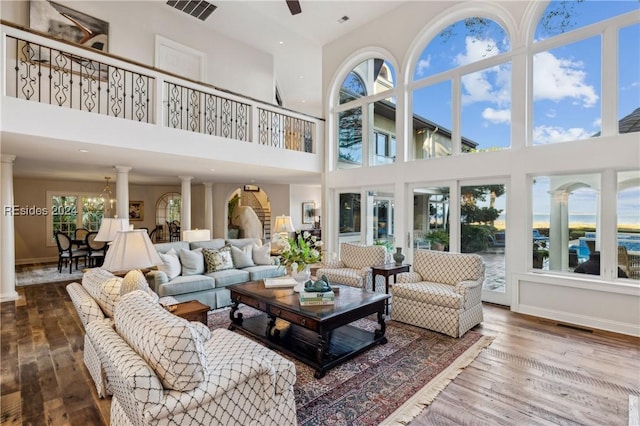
122,169
208,184
186,178
8,158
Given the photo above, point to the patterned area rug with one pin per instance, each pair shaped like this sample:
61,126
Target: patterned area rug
388,384
46,273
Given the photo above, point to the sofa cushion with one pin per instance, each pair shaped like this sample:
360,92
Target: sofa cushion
262,254
192,262
169,344
259,272
229,276
188,284
104,287
218,260
429,292
170,264
242,256
241,242
216,243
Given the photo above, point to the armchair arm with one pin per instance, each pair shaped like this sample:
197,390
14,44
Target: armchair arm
408,277
463,287
87,308
254,377
333,264
471,292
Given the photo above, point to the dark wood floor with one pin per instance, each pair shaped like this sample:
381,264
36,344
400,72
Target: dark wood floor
534,372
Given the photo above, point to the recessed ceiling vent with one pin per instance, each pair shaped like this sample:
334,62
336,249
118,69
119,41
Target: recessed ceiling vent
198,8
344,19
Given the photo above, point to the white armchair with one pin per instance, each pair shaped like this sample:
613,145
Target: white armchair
354,266
443,293
165,370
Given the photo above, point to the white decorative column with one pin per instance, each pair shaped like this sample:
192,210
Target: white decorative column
185,206
208,206
122,191
7,233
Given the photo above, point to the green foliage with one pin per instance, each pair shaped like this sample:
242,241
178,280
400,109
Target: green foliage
475,238
438,236
386,243
302,250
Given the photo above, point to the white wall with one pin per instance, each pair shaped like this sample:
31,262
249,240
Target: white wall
132,28
300,194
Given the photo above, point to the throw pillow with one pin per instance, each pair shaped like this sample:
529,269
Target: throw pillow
192,262
262,255
242,256
218,260
171,346
170,264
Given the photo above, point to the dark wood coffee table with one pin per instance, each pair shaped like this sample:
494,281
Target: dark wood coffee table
320,336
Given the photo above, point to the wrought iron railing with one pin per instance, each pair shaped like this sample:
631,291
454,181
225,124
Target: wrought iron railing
283,131
43,70
202,112
47,75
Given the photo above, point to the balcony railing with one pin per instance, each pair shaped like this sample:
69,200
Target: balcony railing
45,70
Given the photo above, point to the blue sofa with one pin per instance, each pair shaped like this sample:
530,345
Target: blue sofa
208,287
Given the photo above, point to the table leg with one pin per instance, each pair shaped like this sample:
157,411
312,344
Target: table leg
379,334
235,319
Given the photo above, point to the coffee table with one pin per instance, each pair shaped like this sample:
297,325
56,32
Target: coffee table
320,336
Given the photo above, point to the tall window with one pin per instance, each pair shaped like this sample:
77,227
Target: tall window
628,223
349,213
484,105
567,76
69,211
360,118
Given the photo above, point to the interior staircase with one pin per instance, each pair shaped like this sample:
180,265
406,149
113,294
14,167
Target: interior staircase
264,212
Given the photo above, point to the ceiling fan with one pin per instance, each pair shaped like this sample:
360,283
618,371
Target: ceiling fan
294,6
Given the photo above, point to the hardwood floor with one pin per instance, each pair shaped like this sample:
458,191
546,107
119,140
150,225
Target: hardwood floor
534,372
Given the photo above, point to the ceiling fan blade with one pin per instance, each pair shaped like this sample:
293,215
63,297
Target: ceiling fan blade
294,6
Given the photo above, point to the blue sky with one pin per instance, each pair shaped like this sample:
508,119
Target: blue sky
567,80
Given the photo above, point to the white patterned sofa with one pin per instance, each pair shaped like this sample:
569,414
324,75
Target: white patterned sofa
95,299
354,266
442,293
164,370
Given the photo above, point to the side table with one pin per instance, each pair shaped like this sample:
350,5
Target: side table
387,270
192,311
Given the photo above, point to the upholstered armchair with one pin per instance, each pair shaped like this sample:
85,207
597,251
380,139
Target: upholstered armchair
354,266
442,293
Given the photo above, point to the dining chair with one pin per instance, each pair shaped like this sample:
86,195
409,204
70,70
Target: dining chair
66,252
80,237
97,249
174,231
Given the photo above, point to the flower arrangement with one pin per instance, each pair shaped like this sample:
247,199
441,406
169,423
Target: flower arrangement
302,250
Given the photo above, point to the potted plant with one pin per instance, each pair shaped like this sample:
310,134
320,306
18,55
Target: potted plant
540,253
233,230
439,239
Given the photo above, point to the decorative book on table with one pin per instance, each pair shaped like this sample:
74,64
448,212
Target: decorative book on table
308,298
279,282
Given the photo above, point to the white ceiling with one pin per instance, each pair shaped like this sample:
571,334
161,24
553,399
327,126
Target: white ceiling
261,24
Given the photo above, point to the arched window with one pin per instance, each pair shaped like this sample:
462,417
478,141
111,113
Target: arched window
568,73
167,211
483,108
364,120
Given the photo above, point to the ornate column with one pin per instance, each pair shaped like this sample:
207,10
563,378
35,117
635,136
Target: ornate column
185,205
122,191
208,206
7,233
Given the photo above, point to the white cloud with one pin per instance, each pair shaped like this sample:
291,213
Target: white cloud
551,113
597,123
490,85
557,78
475,50
549,134
423,64
497,116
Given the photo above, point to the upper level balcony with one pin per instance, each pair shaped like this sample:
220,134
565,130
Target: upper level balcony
60,91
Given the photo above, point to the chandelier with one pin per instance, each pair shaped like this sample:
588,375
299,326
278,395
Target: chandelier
106,195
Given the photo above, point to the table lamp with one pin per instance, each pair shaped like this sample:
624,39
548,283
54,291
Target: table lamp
193,235
131,249
282,227
110,227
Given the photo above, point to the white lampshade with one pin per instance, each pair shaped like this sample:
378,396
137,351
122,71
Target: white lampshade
283,224
110,226
131,250
192,235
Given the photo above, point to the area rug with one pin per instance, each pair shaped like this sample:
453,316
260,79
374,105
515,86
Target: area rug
388,384
45,273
